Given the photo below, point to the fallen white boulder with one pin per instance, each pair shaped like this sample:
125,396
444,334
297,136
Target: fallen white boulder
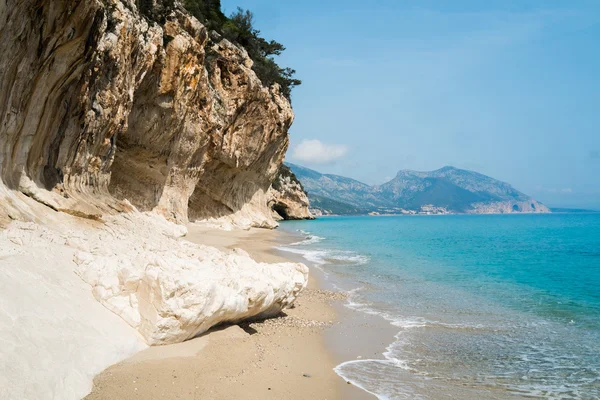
172,290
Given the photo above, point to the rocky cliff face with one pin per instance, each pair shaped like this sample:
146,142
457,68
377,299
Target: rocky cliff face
287,197
101,104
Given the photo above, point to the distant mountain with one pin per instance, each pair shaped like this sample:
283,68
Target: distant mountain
325,205
446,190
351,193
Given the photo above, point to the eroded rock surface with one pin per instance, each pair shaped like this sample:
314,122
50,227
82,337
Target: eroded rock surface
99,103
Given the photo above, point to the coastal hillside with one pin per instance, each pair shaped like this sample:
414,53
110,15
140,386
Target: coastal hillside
446,190
337,194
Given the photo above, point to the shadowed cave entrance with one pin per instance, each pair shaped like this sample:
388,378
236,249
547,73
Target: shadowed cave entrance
282,210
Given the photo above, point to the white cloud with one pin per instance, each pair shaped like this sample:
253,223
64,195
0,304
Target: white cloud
316,152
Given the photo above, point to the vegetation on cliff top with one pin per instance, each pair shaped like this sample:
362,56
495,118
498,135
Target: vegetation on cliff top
239,29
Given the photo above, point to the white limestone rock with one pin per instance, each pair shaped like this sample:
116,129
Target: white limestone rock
173,290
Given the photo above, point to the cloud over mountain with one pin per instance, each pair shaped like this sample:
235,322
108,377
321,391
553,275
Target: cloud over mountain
317,152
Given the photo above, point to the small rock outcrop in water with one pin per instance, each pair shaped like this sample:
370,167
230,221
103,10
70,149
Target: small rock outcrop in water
287,197
100,104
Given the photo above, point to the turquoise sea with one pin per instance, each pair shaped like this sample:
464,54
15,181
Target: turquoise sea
486,307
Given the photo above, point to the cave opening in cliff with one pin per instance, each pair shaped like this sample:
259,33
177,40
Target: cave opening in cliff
217,192
281,210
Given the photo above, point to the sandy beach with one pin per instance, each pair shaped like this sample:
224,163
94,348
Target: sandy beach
291,357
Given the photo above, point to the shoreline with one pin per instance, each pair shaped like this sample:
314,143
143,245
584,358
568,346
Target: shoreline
356,334
289,357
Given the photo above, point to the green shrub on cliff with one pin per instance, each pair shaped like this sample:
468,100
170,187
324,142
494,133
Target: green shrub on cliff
239,28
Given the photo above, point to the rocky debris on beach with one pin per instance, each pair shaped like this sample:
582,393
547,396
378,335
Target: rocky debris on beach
289,322
324,295
284,320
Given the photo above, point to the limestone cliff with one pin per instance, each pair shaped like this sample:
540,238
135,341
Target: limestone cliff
287,197
124,118
101,104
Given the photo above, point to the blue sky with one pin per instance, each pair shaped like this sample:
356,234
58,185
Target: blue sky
510,89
